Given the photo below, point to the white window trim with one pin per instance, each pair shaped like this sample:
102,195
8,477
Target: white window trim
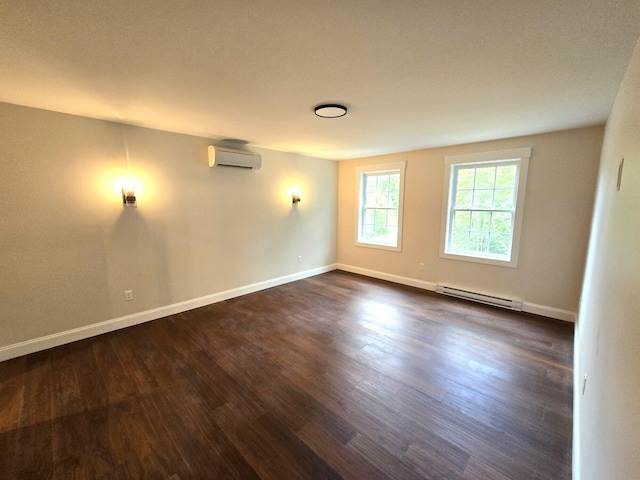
380,168
522,154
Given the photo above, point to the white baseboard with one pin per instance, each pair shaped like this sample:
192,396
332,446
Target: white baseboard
80,333
412,282
577,402
558,314
528,307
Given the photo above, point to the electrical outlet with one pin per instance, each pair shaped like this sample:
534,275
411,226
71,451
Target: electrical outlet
299,258
128,295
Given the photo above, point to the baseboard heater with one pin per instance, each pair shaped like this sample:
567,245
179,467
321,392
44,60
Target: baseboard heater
480,298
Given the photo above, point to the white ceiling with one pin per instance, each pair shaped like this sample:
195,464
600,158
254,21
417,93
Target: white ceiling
414,74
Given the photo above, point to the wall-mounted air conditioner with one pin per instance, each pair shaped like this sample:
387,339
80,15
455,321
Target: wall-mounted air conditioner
229,157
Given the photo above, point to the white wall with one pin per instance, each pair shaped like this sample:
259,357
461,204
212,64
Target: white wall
68,249
559,200
607,417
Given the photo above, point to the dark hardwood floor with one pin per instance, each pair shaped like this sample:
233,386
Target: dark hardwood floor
335,376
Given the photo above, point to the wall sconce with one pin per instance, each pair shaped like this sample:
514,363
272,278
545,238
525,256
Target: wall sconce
295,195
129,197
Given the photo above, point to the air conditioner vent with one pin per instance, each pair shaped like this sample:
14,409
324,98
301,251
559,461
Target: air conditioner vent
229,157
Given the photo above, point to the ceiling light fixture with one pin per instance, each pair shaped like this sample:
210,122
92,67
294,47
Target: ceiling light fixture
330,110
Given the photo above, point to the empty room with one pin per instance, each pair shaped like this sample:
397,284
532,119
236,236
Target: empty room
359,240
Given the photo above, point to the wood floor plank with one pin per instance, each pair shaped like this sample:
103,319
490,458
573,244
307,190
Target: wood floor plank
33,455
430,465
203,448
383,458
117,380
269,449
478,470
11,393
348,462
138,438
334,376
227,389
218,447
80,445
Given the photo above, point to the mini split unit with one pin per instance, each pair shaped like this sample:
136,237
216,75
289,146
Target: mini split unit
229,157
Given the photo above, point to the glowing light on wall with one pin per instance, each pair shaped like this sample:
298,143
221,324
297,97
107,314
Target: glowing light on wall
129,195
295,195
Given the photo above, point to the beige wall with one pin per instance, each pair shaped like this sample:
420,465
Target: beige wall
558,204
68,249
607,416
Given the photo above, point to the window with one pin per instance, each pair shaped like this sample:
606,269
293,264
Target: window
484,200
380,190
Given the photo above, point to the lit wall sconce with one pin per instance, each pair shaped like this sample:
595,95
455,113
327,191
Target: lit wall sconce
129,197
295,195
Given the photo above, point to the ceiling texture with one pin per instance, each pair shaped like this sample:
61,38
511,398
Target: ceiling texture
413,73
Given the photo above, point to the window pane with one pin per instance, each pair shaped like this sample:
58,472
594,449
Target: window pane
387,199
392,217
395,183
380,217
368,216
483,199
485,177
372,183
464,198
460,241
369,231
461,220
501,222
506,176
380,232
504,199
478,242
480,221
499,244
383,183
394,199
370,200
391,236
466,177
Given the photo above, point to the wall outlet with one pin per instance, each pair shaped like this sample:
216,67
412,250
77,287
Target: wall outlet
128,295
421,266
299,258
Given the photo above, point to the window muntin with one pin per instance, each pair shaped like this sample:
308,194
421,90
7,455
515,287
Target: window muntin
380,190
485,196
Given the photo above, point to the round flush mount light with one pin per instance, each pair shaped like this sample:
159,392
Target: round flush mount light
330,110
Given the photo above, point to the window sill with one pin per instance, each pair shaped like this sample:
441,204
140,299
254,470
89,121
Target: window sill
513,263
379,246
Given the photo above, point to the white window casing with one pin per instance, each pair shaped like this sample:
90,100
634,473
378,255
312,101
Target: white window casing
379,213
482,216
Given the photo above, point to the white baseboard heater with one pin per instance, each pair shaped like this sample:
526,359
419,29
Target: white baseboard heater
479,297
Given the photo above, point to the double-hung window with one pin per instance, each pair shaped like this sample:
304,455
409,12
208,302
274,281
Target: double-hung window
380,189
484,202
